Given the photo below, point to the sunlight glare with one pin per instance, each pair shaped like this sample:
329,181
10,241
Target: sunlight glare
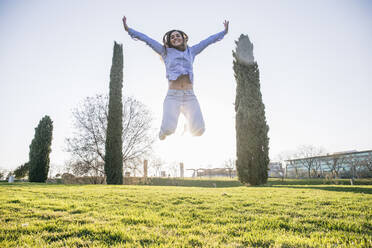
181,146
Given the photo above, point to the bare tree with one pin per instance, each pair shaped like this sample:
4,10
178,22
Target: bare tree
317,169
79,168
173,169
360,164
2,173
157,165
368,162
335,163
94,171
230,165
87,145
355,163
309,157
134,166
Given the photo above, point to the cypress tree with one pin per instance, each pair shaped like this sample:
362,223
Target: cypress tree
251,129
40,149
113,146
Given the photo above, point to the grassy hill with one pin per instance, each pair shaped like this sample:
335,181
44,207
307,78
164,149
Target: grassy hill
291,215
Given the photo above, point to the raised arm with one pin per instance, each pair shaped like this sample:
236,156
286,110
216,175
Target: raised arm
156,46
196,49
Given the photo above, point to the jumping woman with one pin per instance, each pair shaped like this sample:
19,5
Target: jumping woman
178,58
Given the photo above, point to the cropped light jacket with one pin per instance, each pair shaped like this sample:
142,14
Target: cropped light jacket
177,62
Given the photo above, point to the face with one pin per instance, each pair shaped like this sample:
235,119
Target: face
176,39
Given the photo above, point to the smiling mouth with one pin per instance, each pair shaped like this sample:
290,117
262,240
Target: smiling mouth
177,42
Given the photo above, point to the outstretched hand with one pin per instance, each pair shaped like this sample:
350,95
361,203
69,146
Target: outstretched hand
226,24
125,23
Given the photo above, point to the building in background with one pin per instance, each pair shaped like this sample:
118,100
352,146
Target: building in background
347,164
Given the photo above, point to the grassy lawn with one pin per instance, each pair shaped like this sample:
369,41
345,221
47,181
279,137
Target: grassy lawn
277,215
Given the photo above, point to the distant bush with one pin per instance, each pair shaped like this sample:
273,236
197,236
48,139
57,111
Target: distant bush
68,178
22,171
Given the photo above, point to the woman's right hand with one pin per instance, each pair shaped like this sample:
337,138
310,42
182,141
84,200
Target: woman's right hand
125,23
226,24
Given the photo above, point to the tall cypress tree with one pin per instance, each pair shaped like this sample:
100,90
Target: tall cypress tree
114,153
40,149
251,129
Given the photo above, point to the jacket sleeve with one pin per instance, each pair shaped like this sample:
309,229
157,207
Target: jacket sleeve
156,46
196,49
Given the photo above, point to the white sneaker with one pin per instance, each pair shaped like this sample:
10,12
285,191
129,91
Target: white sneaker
162,136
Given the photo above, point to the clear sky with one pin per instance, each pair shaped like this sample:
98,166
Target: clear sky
314,57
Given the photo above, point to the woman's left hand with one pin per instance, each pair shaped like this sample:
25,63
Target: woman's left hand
125,23
226,24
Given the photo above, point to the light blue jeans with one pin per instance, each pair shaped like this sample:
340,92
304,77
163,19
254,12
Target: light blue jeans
185,102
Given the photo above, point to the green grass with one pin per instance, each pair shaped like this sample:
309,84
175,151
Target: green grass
276,215
229,182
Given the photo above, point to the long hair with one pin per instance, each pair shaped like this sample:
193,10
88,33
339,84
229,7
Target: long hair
167,43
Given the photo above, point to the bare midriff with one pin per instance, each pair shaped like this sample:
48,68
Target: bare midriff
181,83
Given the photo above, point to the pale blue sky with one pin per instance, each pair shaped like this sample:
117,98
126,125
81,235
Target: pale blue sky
314,58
